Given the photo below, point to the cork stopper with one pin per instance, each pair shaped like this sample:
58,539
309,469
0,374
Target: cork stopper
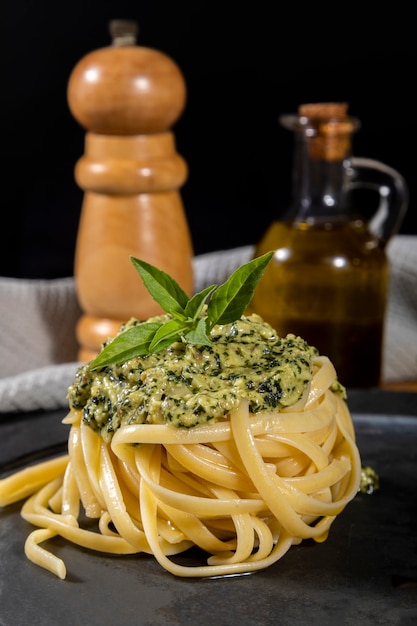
333,126
324,110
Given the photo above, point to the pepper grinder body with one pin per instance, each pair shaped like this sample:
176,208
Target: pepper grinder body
328,279
127,97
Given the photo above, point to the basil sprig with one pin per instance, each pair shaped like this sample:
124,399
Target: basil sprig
225,304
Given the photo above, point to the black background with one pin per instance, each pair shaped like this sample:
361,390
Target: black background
244,64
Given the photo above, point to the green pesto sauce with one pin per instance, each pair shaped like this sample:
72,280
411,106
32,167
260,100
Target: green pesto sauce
188,385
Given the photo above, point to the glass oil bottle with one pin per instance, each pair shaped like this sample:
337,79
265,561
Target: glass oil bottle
328,279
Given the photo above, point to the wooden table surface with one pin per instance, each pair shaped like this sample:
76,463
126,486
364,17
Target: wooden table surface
410,385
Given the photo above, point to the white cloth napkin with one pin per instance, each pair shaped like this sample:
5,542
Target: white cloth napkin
38,349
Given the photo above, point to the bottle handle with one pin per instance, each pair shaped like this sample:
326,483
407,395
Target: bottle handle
393,194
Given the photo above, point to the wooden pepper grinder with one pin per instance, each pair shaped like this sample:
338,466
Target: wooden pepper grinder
127,97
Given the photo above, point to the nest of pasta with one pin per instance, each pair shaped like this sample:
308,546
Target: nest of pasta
242,489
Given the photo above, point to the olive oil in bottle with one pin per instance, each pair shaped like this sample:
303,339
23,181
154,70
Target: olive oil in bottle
328,278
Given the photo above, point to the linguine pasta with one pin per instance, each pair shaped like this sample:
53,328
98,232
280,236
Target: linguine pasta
242,489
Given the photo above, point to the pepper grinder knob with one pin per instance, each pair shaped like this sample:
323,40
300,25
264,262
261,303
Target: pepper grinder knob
127,97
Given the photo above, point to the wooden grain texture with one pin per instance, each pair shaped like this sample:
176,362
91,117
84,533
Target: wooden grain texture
127,98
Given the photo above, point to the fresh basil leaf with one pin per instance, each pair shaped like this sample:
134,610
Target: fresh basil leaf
134,341
226,304
163,288
230,300
195,305
198,335
167,334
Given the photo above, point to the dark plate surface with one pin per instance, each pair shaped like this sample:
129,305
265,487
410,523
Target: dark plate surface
365,573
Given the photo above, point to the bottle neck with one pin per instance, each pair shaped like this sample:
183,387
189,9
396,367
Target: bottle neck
320,186
321,171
